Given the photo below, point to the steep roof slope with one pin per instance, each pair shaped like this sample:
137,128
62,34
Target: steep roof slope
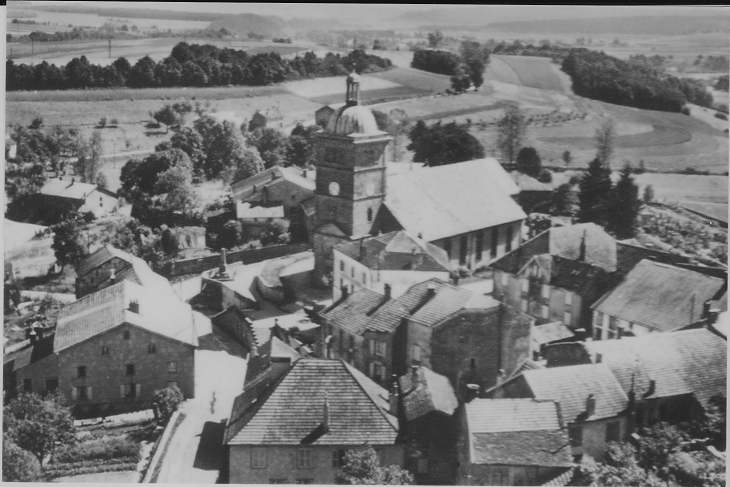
397,251
424,391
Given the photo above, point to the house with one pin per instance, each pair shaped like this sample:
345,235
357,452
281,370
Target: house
655,297
59,197
468,337
673,376
396,259
592,403
513,442
298,429
276,186
534,195
428,406
467,209
112,349
109,265
558,274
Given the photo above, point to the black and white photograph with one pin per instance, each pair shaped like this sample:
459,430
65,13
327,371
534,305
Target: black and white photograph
365,244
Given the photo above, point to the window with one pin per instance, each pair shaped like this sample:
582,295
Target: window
338,458
126,334
342,265
351,339
523,305
371,346
545,311
463,249
352,271
172,367
305,458
27,385
508,242
364,278
151,348
51,385
568,298
613,431
130,369
105,350
545,291
480,245
498,476
130,391
567,318
258,457
380,348
81,371
612,327
495,241
416,353
525,282
370,214
82,392
576,435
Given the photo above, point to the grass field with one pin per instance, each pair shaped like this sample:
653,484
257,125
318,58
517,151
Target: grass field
535,72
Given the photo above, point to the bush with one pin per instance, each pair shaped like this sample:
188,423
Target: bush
166,402
19,465
684,111
102,122
36,123
721,116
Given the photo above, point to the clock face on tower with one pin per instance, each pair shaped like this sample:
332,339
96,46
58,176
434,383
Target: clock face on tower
334,188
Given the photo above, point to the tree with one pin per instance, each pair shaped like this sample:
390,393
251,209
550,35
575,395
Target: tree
67,242
36,123
362,468
476,72
271,144
460,81
419,141
567,157
444,144
245,162
19,465
167,116
177,184
301,150
37,424
434,39
190,141
594,189
605,136
166,401
563,200
528,162
623,206
511,131
89,158
648,194
398,123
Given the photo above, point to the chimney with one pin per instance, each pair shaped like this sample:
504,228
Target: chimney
223,265
326,415
590,405
471,391
394,397
112,276
39,332
651,390
582,251
134,306
304,173
431,291
420,235
33,336
387,291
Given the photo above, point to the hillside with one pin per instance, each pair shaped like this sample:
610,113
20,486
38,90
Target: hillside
138,13
649,25
267,26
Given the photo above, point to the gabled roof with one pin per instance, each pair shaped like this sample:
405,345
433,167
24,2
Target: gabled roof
274,175
292,410
245,210
67,189
629,254
31,353
106,309
568,242
397,251
424,391
272,351
262,329
517,432
527,183
660,296
101,256
682,362
351,314
573,275
450,200
570,387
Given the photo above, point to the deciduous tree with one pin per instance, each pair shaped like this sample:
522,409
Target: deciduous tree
444,144
528,162
68,246
511,131
19,465
363,468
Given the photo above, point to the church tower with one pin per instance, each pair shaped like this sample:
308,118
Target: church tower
350,185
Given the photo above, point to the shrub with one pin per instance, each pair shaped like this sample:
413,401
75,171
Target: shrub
166,402
684,111
104,448
36,123
721,116
114,122
102,122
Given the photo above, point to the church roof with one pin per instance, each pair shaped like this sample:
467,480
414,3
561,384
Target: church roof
355,119
450,200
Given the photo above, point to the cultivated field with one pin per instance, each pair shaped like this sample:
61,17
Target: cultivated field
535,72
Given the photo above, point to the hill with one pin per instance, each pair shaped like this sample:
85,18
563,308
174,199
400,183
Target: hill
132,13
267,26
650,25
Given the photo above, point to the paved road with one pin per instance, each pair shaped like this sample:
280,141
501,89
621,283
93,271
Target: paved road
196,449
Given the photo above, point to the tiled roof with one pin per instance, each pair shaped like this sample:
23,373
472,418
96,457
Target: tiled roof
628,255
245,210
689,361
108,308
527,183
272,351
517,432
262,328
450,200
99,257
570,387
397,251
660,296
30,353
140,273
351,313
292,410
424,391
67,189
551,332
566,242
273,175
573,274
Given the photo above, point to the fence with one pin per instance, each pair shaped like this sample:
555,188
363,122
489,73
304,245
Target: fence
200,264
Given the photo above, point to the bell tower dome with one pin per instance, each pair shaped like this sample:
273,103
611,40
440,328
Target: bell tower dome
350,185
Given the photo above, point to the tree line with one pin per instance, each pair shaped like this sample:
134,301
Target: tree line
189,65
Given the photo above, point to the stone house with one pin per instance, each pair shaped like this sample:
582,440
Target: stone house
673,377
558,274
468,337
513,442
655,297
298,429
396,259
112,349
592,403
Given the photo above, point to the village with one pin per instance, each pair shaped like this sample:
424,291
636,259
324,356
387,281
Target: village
359,317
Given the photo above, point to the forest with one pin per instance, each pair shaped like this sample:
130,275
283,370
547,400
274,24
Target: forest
189,65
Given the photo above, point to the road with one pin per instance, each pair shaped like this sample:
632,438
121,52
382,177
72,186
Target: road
195,450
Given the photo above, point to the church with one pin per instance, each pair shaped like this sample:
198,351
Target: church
468,209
